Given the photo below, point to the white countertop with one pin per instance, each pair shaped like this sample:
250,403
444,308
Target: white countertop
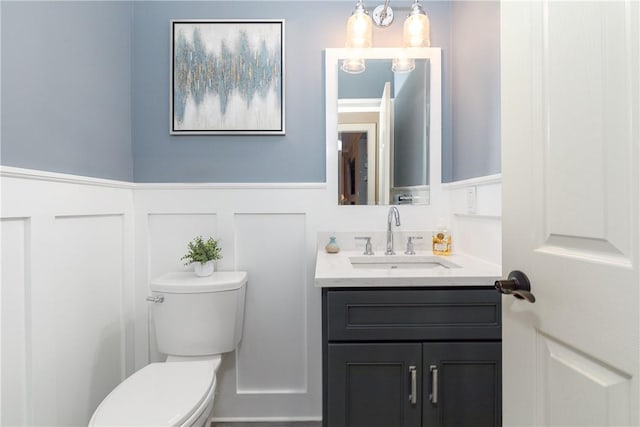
336,270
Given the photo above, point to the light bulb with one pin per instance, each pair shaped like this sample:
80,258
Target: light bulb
417,28
359,24
359,28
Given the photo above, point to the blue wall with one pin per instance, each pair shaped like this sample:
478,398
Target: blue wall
66,85
410,137
298,156
368,84
475,80
85,90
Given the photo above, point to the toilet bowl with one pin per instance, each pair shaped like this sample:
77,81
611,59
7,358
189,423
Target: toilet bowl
162,394
196,319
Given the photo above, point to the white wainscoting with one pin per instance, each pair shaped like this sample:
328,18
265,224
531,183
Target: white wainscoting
15,300
74,317
67,270
272,358
476,216
268,231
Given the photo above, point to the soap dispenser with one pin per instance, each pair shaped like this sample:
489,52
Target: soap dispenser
441,240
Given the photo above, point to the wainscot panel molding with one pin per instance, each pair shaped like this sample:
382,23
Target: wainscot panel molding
272,356
15,298
67,287
54,281
232,186
476,217
13,172
478,181
270,233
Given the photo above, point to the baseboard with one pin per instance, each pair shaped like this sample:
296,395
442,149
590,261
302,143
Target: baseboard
263,419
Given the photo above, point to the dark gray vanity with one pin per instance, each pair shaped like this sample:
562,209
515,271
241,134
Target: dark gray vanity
410,339
411,356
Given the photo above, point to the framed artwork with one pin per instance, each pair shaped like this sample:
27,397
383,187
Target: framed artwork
227,77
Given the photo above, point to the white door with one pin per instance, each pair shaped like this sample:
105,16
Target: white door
370,130
384,148
571,183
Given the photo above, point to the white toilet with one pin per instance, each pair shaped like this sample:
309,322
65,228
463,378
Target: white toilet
196,319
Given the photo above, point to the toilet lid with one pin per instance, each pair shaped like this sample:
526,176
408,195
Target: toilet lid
185,282
160,394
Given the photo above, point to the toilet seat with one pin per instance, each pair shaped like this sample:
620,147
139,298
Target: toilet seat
161,394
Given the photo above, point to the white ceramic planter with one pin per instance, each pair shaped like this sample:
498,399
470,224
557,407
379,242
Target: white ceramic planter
203,270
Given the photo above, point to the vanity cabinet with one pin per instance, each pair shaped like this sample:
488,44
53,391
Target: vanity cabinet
411,357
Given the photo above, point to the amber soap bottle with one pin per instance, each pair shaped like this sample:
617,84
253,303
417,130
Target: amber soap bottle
441,241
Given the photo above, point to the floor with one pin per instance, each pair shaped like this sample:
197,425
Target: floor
280,424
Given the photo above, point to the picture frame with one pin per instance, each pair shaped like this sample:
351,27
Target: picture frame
227,77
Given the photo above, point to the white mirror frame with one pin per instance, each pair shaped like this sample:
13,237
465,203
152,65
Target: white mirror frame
332,62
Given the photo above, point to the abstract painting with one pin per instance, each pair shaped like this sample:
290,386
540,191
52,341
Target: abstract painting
227,77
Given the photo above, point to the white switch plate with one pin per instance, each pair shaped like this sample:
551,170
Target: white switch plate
472,200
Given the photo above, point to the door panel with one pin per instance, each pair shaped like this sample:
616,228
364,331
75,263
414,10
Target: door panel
570,117
587,106
604,396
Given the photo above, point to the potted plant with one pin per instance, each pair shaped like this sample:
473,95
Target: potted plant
202,254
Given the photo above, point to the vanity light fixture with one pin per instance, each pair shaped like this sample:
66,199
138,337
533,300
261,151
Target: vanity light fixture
403,64
353,65
383,15
360,34
416,34
359,28
417,27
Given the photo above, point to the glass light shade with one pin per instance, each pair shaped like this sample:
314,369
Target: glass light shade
417,28
359,29
353,65
403,64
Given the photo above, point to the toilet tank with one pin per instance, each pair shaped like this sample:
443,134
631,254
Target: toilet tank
198,316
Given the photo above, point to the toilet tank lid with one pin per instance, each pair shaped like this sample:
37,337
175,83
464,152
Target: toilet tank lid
186,282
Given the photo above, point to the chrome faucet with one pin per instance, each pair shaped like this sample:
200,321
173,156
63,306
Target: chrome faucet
393,211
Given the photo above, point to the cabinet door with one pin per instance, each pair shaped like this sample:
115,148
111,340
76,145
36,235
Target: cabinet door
462,384
370,385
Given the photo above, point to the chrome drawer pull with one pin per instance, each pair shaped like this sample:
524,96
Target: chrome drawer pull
433,397
412,396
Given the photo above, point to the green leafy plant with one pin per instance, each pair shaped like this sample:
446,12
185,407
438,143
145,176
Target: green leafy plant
201,251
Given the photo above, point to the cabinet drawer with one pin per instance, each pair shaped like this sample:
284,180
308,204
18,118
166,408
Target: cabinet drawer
408,314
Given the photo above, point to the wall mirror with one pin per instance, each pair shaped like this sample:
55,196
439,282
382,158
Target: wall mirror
384,127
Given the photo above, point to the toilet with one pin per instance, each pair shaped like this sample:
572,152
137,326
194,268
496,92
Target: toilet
196,319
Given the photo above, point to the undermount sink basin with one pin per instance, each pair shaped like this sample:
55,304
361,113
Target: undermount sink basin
392,262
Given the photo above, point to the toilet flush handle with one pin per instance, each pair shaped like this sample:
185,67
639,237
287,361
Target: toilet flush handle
159,299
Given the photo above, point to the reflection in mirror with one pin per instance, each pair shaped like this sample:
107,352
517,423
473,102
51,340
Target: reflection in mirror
383,130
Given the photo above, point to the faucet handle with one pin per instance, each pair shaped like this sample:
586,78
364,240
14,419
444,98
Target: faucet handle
367,247
410,240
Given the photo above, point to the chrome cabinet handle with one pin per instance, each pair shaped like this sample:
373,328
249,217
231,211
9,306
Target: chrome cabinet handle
433,397
158,299
413,395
